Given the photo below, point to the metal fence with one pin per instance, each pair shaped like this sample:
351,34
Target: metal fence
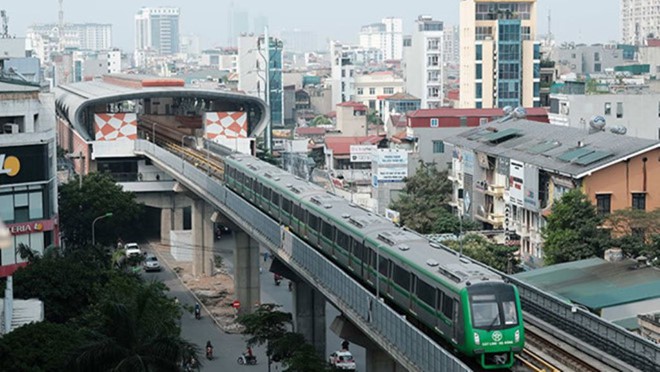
394,333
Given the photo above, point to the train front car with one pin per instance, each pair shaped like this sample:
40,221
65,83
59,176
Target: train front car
494,329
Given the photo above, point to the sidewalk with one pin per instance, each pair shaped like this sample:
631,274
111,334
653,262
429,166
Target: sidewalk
215,293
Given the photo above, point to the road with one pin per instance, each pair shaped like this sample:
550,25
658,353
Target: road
227,347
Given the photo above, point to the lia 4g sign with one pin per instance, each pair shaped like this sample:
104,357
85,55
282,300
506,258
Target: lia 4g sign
26,228
9,165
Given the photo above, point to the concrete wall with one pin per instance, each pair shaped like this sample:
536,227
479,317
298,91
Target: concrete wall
625,178
426,136
182,245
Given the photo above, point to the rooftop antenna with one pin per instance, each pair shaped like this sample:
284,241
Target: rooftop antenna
61,24
4,32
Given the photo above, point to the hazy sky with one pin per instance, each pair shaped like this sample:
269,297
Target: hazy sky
587,21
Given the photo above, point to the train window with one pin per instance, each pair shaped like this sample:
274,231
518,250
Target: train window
286,205
327,230
257,188
425,292
299,213
266,192
313,222
231,172
372,259
510,313
383,266
342,240
248,182
447,306
401,277
239,177
276,198
358,250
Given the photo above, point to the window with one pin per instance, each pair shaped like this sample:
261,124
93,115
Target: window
286,205
433,75
327,230
425,292
388,90
478,52
313,222
360,91
342,240
483,33
434,122
276,199
639,201
401,277
372,91
597,67
438,147
478,73
603,203
432,61
447,306
619,110
433,92
433,44
596,56
478,91
358,251
608,108
383,266
298,213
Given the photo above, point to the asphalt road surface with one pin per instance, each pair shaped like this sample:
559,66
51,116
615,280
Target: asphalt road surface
227,347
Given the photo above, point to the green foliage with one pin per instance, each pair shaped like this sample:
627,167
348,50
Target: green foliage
217,259
636,232
373,117
320,120
572,232
39,347
99,195
65,283
498,256
423,204
297,354
265,324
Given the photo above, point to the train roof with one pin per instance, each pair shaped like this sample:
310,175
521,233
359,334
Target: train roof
435,261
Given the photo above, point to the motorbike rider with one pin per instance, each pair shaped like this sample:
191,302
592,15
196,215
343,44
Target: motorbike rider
198,310
209,349
248,352
278,278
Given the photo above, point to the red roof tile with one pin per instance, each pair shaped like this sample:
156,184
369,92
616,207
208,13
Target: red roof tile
341,145
356,105
459,112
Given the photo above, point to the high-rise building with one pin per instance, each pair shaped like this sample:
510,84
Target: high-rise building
640,19
422,62
386,36
238,24
157,29
500,59
451,52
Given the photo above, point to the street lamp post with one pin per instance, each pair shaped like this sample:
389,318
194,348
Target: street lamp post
109,214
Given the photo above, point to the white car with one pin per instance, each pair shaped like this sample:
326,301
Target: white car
343,360
151,263
133,249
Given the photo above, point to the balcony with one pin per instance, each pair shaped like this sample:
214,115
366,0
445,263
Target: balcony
495,190
455,176
496,220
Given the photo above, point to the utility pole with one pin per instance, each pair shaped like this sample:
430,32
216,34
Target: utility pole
269,124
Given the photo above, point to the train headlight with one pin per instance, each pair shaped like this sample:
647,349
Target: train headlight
516,336
477,341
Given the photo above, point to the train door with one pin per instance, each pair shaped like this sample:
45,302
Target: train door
459,328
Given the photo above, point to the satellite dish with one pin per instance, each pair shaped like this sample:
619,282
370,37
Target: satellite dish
519,112
597,122
508,110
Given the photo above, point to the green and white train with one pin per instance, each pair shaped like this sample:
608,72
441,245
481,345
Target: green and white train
470,307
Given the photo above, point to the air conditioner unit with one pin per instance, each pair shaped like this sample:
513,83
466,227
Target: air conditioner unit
10,128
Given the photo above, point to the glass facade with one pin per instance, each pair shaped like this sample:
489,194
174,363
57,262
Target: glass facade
508,63
275,83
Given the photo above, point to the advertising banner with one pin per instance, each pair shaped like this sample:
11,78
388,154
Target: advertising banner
362,153
396,174
115,126
20,164
229,124
391,157
516,183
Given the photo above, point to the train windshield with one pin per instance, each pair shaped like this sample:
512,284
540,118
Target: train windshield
493,306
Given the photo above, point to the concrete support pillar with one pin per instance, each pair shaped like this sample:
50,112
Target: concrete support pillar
246,271
379,361
165,225
309,314
202,227
178,219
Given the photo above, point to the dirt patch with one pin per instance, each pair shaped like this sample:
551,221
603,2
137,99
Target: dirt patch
216,292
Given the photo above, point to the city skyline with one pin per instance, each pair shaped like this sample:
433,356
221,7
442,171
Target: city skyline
571,21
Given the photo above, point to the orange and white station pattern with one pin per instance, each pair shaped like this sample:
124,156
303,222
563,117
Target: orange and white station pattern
229,124
112,127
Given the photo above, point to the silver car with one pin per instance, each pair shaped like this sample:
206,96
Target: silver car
151,263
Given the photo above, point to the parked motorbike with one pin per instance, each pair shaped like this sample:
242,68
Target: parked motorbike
245,359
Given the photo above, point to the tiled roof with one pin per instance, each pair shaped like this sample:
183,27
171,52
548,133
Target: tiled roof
402,96
567,150
460,112
356,105
341,145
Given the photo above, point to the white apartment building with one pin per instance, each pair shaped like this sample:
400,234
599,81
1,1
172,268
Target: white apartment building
44,39
386,36
342,74
451,52
372,89
422,62
157,29
500,59
640,19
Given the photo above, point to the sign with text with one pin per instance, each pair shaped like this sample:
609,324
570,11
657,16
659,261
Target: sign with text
391,157
396,174
31,227
20,164
362,153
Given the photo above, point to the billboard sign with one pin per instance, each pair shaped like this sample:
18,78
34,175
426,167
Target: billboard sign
20,164
393,174
362,153
391,157
516,183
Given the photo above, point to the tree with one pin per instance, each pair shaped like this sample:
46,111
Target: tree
373,117
99,194
134,329
423,204
37,347
320,120
297,355
498,256
572,232
635,231
265,325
